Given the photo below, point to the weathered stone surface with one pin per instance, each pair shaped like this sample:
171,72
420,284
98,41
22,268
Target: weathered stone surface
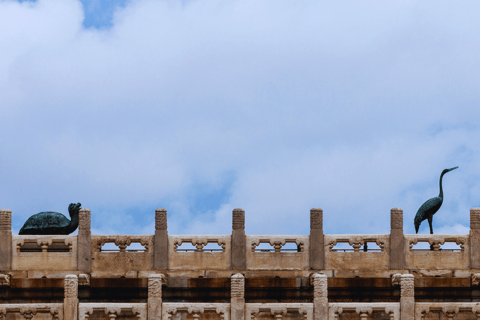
5,240
238,241
84,241
407,299
397,243
70,304
160,241
475,238
317,250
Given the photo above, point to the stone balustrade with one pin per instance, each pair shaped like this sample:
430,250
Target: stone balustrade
372,310
112,310
278,310
449,310
198,311
317,251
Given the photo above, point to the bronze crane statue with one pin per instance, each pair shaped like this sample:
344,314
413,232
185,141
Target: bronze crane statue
430,207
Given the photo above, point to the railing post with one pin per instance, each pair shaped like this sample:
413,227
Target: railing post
154,308
320,297
160,246
84,241
475,238
239,245
397,243
70,304
237,303
317,251
5,240
407,298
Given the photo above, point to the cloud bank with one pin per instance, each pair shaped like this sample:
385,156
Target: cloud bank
275,107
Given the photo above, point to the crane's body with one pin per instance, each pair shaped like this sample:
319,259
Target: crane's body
430,207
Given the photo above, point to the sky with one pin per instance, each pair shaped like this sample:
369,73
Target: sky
272,106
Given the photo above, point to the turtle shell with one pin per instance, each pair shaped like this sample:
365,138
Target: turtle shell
47,222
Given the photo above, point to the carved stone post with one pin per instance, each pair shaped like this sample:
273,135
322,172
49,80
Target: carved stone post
84,241
70,304
155,282
5,239
407,299
317,254
475,238
239,245
397,243
160,246
320,297
237,303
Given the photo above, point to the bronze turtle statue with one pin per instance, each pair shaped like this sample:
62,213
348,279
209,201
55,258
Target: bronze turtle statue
49,222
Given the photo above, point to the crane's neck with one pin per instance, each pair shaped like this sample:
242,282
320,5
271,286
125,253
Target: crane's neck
440,195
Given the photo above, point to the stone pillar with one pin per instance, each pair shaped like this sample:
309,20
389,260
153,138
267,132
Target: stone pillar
320,297
407,299
475,238
5,240
70,303
397,243
239,240
155,282
237,303
84,241
317,253
160,245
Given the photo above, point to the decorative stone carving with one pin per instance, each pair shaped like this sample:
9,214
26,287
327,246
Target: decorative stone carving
407,286
139,312
356,241
28,311
279,309
84,220
238,219
363,312
476,310
71,286
84,280
3,312
112,311
396,279
5,280
337,311
238,286
436,240
475,218
396,218
161,219
55,312
122,241
5,220
450,311
391,312
278,241
316,219
199,242
155,282
320,286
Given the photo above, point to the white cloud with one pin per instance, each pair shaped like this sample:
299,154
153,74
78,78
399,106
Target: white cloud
355,108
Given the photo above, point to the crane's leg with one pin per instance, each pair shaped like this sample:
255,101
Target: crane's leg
430,220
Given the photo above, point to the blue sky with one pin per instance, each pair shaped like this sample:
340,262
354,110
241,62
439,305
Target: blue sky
275,107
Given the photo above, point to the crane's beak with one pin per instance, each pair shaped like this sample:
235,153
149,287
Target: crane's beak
452,169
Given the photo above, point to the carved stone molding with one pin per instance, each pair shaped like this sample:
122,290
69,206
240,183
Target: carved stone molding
238,286
475,218
122,241
71,286
84,221
450,310
356,241
279,310
320,286
5,220
113,310
407,285
396,278
140,312
436,240
238,219
196,309
3,312
316,219
363,312
155,282
5,280
476,310
161,219
84,280
396,218
199,241
278,241
28,311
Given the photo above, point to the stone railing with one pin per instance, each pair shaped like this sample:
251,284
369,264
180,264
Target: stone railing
197,310
52,252
112,310
122,261
237,251
364,311
449,310
278,310
53,311
199,258
359,256
272,259
435,257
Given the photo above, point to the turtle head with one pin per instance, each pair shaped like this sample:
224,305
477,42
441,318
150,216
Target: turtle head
74,208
